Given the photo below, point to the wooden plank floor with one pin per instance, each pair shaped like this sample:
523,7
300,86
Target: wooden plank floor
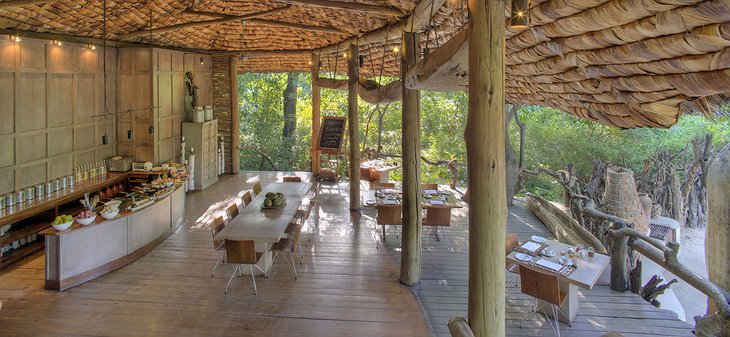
347,286
443,289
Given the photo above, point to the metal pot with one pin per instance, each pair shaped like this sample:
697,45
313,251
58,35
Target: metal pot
64,182
19,197
2,202
71,181
49,188
57,185
29,195
9,200
39,190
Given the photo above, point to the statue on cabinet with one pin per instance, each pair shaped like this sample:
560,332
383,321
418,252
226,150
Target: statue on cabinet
191,95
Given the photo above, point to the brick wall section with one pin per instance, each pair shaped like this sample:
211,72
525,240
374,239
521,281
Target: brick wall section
622,199
222,103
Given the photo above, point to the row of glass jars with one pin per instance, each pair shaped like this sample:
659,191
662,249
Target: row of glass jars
91,171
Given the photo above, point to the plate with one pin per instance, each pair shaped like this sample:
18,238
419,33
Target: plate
370,202
538,239
446,192
523,257
273,207
157,169
547,253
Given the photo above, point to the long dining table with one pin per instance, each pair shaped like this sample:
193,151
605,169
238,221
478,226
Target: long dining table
584,276
266,226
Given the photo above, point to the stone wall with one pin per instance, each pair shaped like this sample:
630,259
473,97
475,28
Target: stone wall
622,199
223,102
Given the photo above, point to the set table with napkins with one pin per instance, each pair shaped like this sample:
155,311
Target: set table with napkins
266,226
438,205
552,256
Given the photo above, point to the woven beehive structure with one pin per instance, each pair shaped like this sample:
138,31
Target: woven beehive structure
625,63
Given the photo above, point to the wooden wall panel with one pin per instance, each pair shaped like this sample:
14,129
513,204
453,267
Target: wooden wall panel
30,147
30,101
178,94
165,150
82,158
7,54
60,141
89,59
60,100
84,137
164,129
7,152
59,58
32,54
86,106
61,166
164,94
7,180
7,102
31,175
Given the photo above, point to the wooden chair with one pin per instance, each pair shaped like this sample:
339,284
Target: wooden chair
246,198
546,287
215,227
291,231
437,217
389,215
287,246
256,188
510,243
379,186
292,179
232,211
243,253
430,187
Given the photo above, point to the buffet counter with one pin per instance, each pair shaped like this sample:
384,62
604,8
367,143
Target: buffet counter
82,253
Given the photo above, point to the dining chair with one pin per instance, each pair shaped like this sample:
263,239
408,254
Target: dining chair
511,242
246,198
232,211
429,186
243,253
256,188
389,215
546,287
292,179
376,185
437,217
291,230
287,246
215,227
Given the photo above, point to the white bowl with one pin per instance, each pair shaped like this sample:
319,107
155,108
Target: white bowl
63,226
110,215
113,203
87,221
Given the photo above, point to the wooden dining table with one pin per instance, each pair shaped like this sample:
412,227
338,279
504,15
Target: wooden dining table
266,226
437,205
584,276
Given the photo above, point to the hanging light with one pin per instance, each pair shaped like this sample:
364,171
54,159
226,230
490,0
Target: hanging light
15,37
361,59
105,139
91,46
130,134
396,49
344,55
57,43
201,61
520,14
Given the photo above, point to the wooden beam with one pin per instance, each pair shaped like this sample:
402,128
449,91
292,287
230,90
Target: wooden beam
354,127
269,53
235,118
271,22
160,30
417,21
18,3
369,91
485,155
350,6
316,106
410,266
444,69
717,237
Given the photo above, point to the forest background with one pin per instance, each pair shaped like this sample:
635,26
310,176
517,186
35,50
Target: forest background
275,125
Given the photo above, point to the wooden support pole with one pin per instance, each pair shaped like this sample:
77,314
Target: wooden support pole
619,252
316,106
717,237
486,168
235,119
353,73
410,265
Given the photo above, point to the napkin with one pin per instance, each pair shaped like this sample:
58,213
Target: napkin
531,246
388,191
390,202
436,202
430,191
554,266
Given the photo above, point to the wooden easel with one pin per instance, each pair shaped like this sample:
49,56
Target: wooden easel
331,138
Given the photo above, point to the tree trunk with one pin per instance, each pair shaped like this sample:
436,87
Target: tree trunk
381,114
290,105
486,168
717,237
512,169
410,270
354,127
316,106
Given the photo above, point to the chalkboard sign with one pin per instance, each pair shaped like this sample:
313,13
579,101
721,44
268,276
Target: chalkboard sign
331,133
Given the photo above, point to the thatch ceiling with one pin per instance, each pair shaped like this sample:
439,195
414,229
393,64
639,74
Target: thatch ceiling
626,63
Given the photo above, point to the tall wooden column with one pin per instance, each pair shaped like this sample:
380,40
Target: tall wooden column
353,73
486,168
410,265
717,237
235,119
316,104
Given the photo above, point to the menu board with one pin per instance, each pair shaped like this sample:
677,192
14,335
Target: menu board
331,133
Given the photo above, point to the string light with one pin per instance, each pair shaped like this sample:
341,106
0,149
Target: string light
57,43
91,46
15,37
520,14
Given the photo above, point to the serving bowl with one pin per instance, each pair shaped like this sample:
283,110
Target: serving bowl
110,215
63,226
87,221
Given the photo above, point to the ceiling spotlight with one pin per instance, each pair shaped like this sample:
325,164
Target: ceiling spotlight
57,43
344,54
91,46
520,17
201,61
15,37
396,49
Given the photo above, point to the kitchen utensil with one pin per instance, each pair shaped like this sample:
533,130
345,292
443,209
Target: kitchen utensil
40,190
29,193
49,188
20,197
2,202
71,181
9,199
64,182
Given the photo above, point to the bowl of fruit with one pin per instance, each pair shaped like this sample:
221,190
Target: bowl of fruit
62,222
109,212
86,217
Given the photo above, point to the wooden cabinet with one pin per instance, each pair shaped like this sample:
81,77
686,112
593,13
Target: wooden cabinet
202,138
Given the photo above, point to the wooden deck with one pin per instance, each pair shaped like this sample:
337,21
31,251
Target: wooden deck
443,289
346,286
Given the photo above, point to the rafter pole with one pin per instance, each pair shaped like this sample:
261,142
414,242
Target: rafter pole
271,22
160,30
486,168
410,267
18,3
350,6
316,106
354,126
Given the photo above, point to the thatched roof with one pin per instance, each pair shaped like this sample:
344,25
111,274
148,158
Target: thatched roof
626,63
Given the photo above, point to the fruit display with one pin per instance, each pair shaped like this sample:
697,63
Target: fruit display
273,200
85,215
62,222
